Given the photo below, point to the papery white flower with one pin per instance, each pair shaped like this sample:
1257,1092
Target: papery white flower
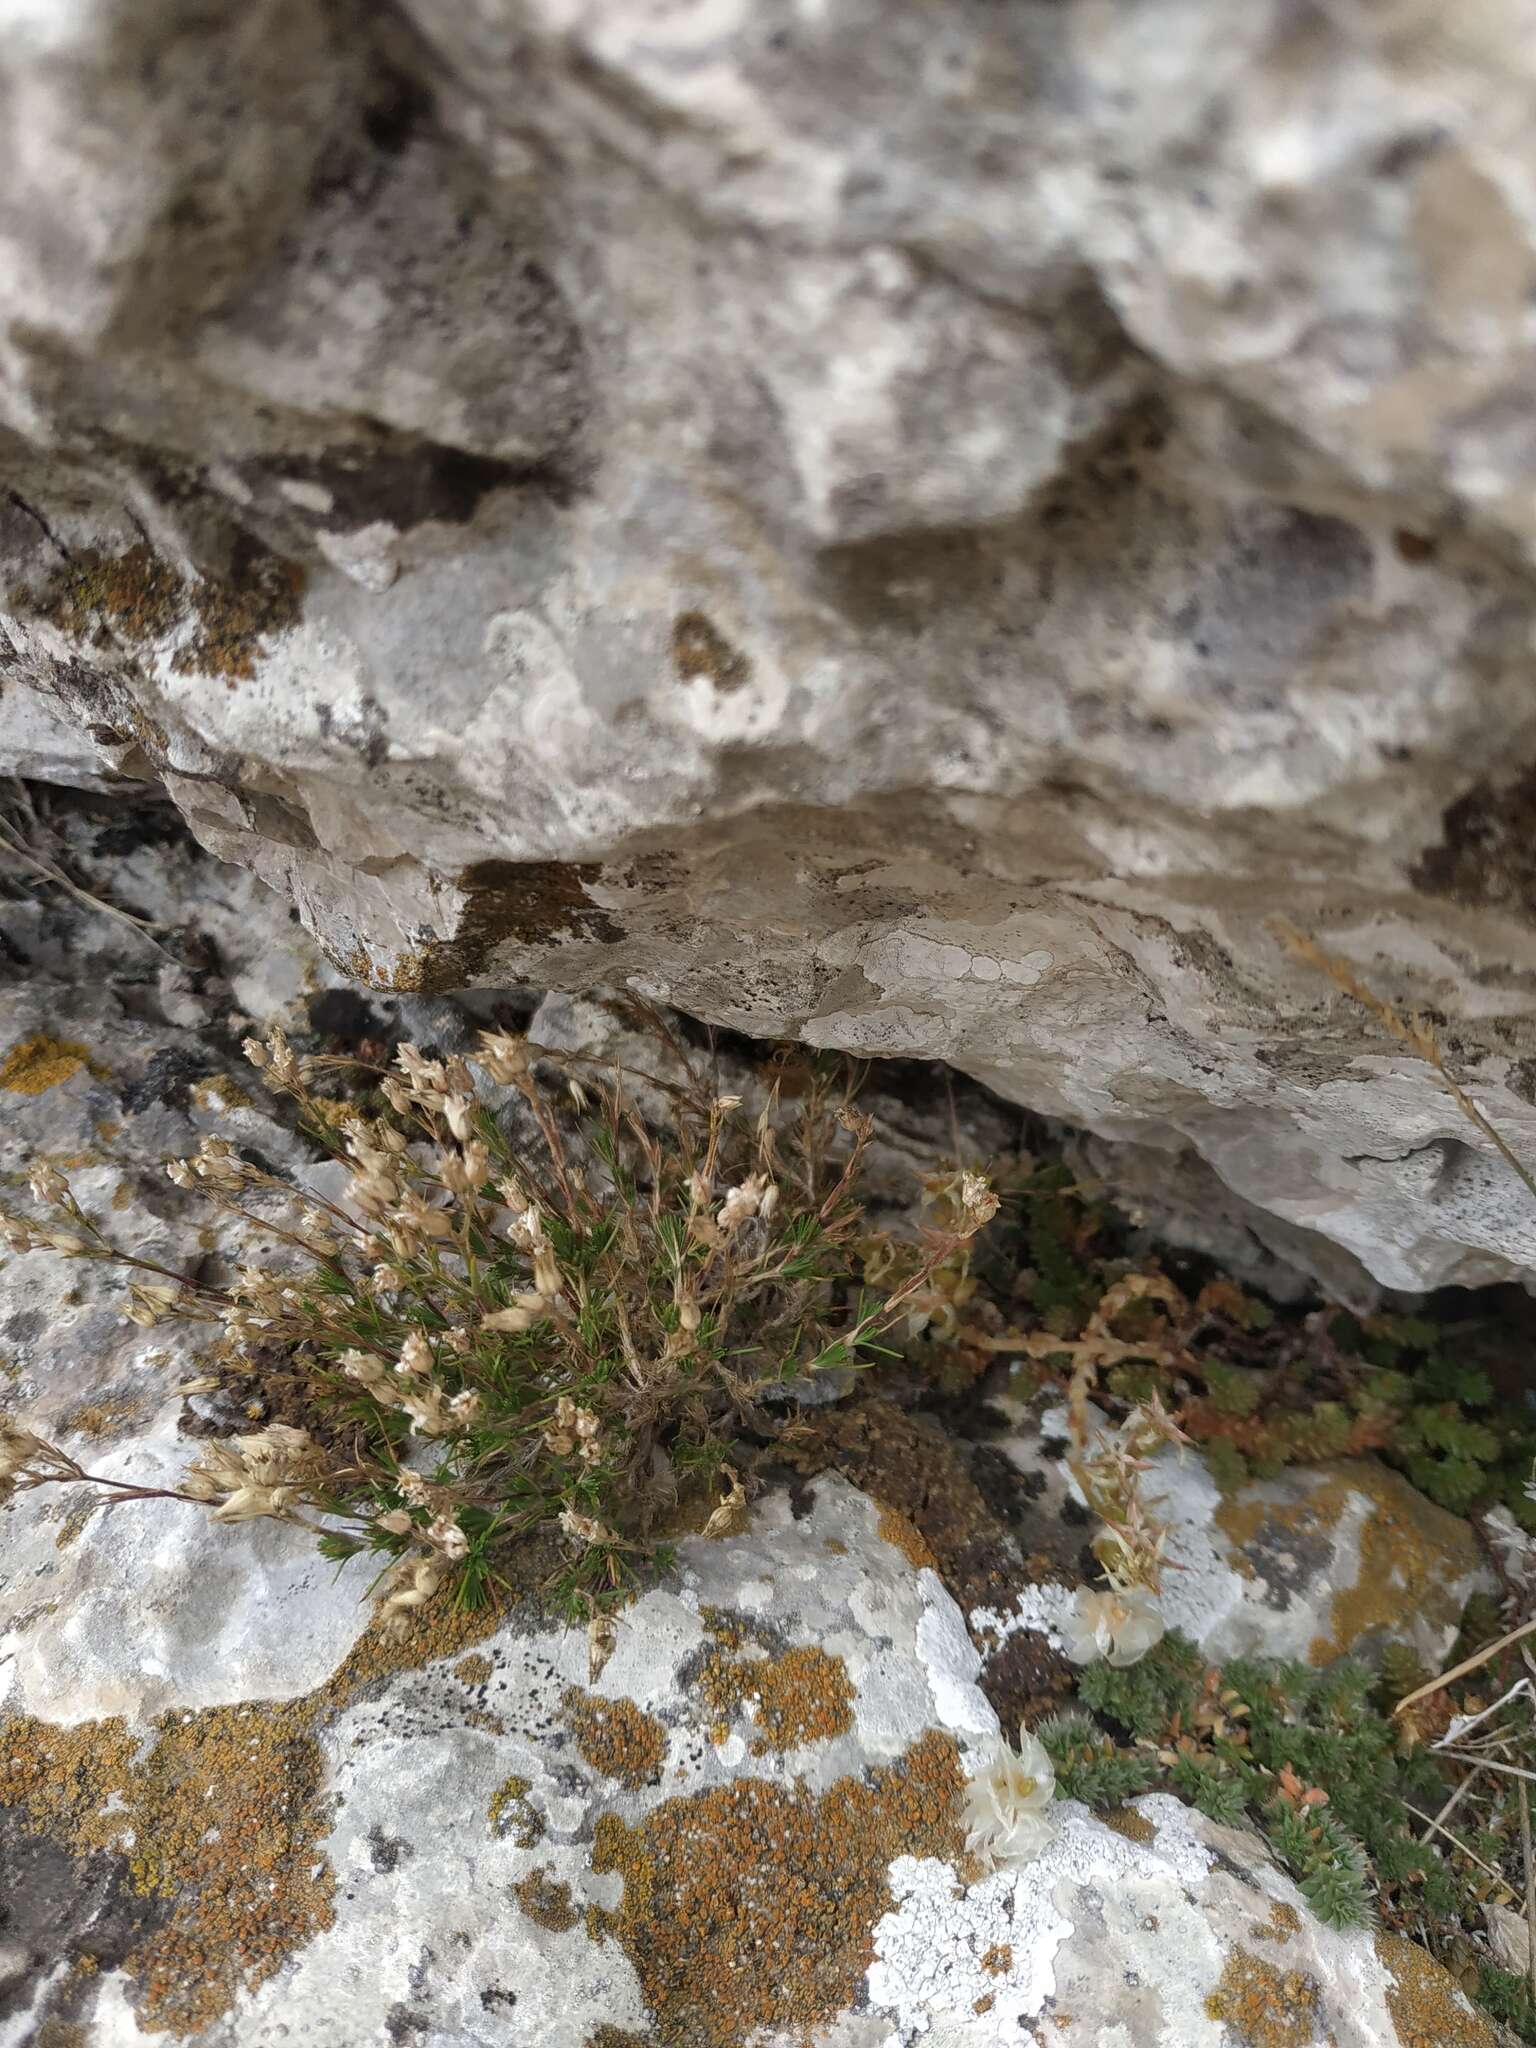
364,1367
459,1114
1120,1625
1007,1805
46,1182
511,1320
743,1202
426,1410
449,1537
503,1057
415,1356
977,1199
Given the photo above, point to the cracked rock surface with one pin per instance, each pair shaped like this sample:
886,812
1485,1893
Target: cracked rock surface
918,532
233,1815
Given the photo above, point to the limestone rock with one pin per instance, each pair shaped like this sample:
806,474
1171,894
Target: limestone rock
232,1811
503,1850
918,536
1321,1562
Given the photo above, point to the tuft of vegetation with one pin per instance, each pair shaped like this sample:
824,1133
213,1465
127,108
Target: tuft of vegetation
1306,1756
532,1306
1259,1388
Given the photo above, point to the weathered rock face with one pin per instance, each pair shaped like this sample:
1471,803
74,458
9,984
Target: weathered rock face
230,1812
742,1828
915,534
1325,1561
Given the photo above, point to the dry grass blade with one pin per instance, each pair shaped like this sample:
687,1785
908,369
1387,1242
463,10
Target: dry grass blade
1472,1663
1530,1883
12,843
1455,1841
1489,1763
1413,1032
1437,1825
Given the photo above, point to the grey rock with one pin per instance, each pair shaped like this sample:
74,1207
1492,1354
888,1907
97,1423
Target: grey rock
1323,1561
1111,1937
124,1043
914,534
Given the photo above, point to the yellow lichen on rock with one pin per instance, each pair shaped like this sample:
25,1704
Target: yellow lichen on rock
1427,2009
1416,1561
222,1816
753,1905
223,1819
1263,2007
798,1696
36,1064
616,1737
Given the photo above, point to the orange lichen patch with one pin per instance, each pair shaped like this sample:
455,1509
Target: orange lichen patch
1412,1557
1263,2007
223,1819
37,1064
138,597
1285,1922
57,2033
547,1901
236,614
219,1092
440,1631
616,1737
801,1695
510,1813
1427,2009
474,1669
1125,1820
906,1537
329,1110
100,1418
753,1905
998,1960
1412,1553
985,2003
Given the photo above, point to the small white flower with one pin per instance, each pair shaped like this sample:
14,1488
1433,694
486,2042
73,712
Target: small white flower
511,1320
1007,1805
449,1537
415,1356
1120,1625
46,1182
977,1199
459,1112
